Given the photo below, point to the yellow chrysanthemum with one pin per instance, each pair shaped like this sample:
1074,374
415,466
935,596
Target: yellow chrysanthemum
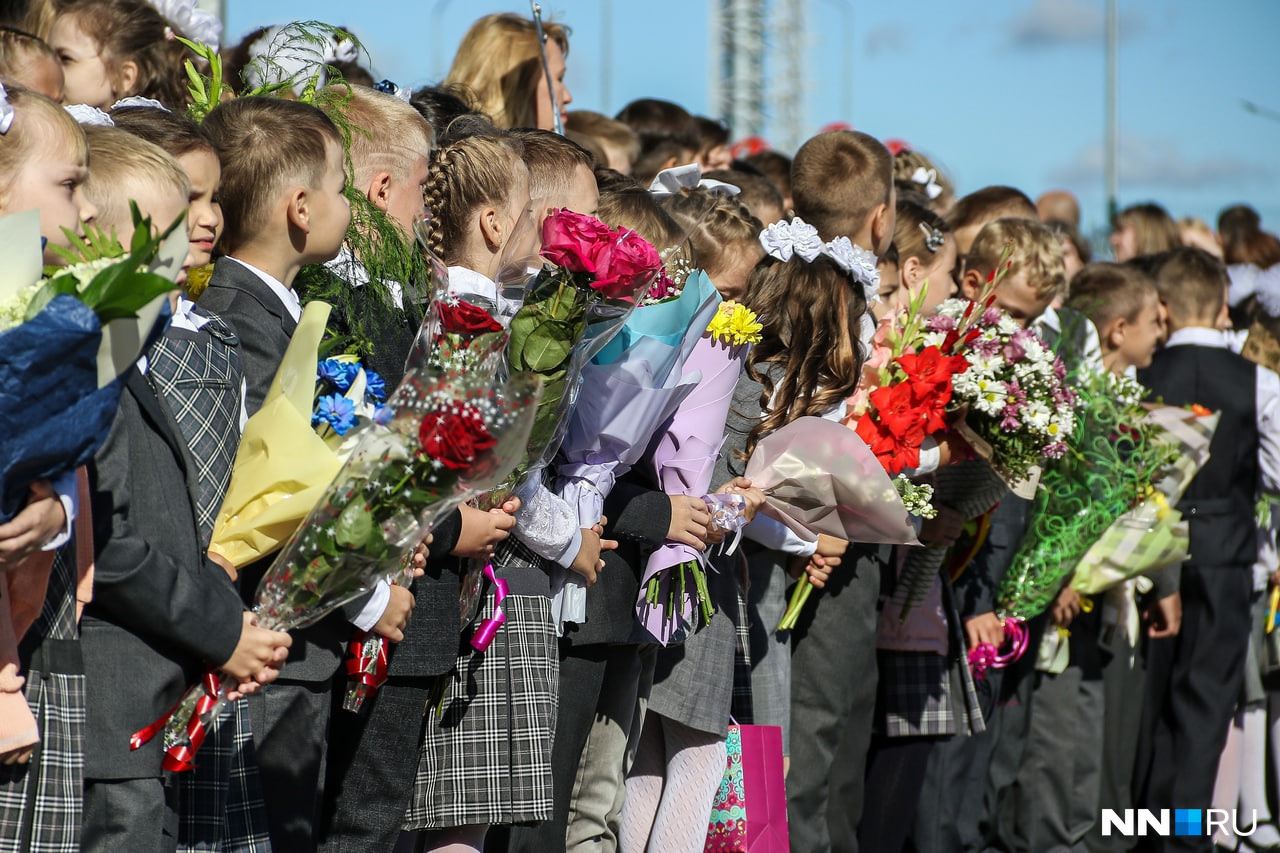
735,325
198,280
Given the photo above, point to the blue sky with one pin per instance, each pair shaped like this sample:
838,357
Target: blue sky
1007,92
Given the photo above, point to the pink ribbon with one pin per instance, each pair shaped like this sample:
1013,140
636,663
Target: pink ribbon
485,633
985,656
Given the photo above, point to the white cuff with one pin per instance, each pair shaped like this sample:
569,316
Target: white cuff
775,535
68,491
374,607
570,553
930,459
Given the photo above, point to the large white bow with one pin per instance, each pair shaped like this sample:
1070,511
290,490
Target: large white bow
671,181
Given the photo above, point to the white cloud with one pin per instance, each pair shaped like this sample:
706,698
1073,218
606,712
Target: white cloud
1151,162
1046,23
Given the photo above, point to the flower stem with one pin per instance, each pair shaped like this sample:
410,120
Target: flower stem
799,596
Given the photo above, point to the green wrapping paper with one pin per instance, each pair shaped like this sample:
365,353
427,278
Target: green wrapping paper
1113,459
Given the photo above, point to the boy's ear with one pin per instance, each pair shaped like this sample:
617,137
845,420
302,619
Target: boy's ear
971,284
298,211
379,190
882,221
1115,334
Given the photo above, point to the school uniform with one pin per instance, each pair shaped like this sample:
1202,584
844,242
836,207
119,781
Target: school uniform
1205,662
161,612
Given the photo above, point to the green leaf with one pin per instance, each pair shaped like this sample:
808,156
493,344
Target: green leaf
546,347
354,525
126,300
46,293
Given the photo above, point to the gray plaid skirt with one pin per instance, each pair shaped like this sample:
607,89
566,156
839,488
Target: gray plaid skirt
221,803
486,756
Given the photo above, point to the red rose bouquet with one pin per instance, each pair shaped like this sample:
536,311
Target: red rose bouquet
448,438
457,334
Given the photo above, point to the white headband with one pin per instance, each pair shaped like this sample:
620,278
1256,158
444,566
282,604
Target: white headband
783,240
92,116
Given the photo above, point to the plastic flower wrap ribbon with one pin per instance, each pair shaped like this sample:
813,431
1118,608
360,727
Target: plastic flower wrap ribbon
1152,535
985,657
587,281
674,596
636,383
66,338
819,477
448,438
1114,457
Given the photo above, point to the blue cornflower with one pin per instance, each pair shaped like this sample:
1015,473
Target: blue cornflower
383,415
337,411
339,374
375,387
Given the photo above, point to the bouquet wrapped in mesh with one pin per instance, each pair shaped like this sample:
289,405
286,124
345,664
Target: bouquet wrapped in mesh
447,438
1114,456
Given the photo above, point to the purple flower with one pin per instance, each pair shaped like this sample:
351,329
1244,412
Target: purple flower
991,316
383,415
1059,369
1056,450
1009,423
940,323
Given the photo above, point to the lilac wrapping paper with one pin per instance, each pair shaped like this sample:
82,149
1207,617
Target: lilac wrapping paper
684,459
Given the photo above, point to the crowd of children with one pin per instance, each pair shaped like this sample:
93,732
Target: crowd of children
314,182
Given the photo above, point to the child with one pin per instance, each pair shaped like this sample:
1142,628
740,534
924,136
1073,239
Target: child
668,136
560,173
926,251
776,167
1124,307
1143,229
968,215
130,169
28,62
479,190
282,192
725,239
1194,679
111,49
43,164
619,142
916,172
842,183
713,152
757,193
373,755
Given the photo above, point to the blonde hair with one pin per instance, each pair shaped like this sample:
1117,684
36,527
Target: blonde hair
465,174
1035,249
838,179
719,234
500,63
38,123
386,133
1153,227
17,50
120,163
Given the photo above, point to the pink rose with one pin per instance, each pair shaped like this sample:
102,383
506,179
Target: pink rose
576,242
633,264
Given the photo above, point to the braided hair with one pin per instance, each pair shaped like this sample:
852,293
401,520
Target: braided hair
466,174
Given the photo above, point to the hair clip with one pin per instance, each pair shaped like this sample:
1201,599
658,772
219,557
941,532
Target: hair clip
927,178
388,87
90,116
6,111
933,238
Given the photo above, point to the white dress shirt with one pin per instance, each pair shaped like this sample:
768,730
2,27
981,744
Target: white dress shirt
288,297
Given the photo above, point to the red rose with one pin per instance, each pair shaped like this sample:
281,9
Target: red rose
634,263
455,437
576,242
465,318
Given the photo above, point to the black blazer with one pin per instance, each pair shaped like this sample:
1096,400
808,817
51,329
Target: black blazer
258,318
430,644
161,611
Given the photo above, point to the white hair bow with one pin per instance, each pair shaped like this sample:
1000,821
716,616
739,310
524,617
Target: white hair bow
139,101
194,23
670,181
927,178
6,111
784,240
87,115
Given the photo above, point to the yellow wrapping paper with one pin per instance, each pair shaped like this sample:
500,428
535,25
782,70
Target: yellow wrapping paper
283,466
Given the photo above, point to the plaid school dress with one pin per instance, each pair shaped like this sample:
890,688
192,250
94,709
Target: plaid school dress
486,755
41,802
196,369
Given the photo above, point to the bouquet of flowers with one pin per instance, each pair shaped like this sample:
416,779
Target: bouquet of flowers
1113,457
1018,408
673,587
65,338
311,420
446,438
638,380
457,333
1153,534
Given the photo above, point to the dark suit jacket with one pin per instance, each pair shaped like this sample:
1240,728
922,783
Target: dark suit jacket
258,318
161,610
430,643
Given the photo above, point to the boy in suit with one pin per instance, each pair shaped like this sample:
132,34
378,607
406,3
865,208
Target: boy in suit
1194,678
283,196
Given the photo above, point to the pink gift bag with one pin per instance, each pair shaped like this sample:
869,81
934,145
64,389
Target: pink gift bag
749,813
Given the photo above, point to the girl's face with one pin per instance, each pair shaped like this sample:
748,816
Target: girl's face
86,78
546,119
204,211
942,284
52,181
890,282
732,281
1124,243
